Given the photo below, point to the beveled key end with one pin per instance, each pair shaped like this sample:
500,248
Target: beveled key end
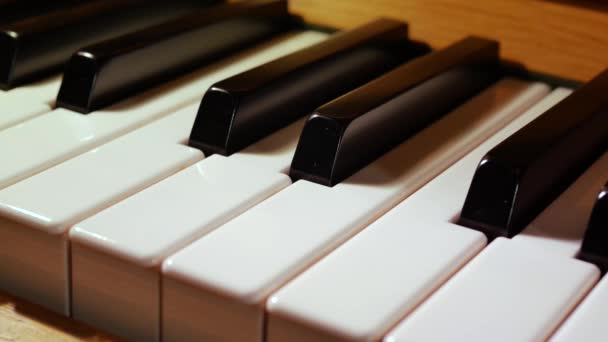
79,79
491,196
214,127
8,55
317,150
595,242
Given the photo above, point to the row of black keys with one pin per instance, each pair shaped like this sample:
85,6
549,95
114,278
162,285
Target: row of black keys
370,79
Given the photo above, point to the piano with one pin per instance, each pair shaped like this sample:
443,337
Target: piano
266,170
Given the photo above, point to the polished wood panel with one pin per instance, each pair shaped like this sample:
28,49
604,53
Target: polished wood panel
563,38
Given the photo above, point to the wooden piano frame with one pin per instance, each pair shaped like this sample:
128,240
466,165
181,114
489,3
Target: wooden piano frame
566,39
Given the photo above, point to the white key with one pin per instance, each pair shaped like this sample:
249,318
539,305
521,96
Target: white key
170,215
43,91
561,226
273,153
169,130
13,111
221,281
509,292
35,214
392,265
588,322
54,137
27,101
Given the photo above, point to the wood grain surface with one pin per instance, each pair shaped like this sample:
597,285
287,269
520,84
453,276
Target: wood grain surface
564,38
21,321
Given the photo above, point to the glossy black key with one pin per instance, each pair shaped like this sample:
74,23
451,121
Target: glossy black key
353,130
520,177
34,47
595,243
242,109
112,70
14,10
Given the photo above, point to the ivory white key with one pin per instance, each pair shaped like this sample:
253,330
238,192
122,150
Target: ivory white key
23,103
392,265
129,240
43,91
221,280
54,137
588,322
509,292
15,111
35,214
561,226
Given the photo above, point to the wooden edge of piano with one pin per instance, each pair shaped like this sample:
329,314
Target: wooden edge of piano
560,38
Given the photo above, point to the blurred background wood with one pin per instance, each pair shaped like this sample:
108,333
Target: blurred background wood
21,321
563,38
568,39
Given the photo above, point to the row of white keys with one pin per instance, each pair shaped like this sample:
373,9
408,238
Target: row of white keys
559,229
221,281
25,102
128,241
90,182
509,292
56,136
35,214
392,265
532,281
588,322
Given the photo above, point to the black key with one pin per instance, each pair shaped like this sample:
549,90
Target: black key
595,243
520,177
14,10
112,70
348,133
35,47
242,109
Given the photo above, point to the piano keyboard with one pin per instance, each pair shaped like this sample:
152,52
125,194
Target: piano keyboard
220,172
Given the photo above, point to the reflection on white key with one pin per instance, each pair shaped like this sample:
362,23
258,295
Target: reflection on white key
509,292
392,265
588,322
128,241
36,213
54,137
221,280
561,226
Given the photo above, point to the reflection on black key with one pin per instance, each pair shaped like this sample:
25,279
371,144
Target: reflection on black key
520,177
353,130
13,10
242,109
112,70
37,46
595,243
